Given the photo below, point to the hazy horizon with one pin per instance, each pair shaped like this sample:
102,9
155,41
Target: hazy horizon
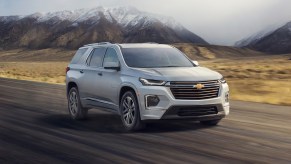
218,22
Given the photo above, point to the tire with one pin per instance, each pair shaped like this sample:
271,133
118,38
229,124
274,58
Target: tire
129,112
210,122
77,112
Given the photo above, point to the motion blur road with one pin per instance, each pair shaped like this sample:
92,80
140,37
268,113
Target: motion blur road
35,128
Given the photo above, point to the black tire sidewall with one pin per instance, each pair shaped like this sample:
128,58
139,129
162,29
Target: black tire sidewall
81,113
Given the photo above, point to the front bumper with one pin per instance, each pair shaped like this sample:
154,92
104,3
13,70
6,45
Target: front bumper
169,107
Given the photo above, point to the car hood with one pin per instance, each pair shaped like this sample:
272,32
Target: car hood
180,74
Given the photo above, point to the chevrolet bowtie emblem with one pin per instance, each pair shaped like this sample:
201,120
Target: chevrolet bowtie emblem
199,86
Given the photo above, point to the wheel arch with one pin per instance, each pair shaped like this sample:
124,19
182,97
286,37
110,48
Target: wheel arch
125,87
70,85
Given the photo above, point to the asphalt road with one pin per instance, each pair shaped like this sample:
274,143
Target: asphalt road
35,128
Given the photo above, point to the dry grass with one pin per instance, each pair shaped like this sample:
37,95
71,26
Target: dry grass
50,72
264,91
257,79
264,68
264,79
45,65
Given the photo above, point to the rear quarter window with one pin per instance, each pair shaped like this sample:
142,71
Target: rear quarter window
78,55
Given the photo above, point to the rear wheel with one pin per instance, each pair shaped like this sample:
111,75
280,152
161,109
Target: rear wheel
77,112
210,122
130,114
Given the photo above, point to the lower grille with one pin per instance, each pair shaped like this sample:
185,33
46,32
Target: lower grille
197,111
189,91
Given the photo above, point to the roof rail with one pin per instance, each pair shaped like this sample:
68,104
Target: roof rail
100,43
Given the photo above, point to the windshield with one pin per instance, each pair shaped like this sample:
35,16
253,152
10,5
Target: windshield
155,57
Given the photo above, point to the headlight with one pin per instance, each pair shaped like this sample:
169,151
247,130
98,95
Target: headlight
152,82
222,80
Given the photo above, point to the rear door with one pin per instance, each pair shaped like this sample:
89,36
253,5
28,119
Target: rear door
76,66
92,74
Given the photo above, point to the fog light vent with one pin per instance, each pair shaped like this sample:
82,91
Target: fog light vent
152,100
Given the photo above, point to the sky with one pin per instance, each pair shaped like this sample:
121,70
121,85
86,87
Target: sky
221,22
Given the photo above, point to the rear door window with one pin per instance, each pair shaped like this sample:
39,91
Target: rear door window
96,57
78,55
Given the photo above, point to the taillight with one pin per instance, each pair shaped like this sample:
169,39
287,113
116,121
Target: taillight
67,69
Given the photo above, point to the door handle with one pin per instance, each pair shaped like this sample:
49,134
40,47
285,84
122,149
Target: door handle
81,71
100,73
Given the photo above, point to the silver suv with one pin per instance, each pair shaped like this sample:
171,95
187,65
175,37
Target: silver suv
144,81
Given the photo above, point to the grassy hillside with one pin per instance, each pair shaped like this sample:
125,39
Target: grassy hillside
36,55
195,52
202,52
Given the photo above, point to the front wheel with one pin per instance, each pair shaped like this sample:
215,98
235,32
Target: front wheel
129,112
77,112
210,122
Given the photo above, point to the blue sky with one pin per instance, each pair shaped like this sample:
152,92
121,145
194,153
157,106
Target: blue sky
217,21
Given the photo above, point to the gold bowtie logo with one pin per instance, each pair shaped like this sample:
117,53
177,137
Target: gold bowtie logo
199,86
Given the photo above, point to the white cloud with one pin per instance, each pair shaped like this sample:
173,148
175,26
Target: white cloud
217,21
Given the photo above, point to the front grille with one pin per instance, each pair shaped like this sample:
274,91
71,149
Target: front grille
197,111
187,91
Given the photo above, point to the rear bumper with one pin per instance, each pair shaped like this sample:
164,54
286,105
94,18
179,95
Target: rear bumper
171,108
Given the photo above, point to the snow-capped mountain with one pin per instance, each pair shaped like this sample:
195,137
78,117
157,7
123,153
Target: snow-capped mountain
254,38
275,41
74,28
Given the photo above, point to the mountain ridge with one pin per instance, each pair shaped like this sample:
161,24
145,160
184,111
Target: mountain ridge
71,29
276,41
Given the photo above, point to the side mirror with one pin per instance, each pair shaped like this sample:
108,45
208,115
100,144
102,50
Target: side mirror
195,62
112,65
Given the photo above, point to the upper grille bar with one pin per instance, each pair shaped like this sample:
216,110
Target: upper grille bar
186,90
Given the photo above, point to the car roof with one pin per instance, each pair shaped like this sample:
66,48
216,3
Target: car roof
128,45
143,45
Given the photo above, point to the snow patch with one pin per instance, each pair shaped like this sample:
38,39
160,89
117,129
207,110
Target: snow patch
10,18
75,24
35,15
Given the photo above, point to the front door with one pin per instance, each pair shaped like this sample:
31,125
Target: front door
110,81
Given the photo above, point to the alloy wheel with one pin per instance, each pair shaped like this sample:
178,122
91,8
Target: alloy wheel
73,103
128,111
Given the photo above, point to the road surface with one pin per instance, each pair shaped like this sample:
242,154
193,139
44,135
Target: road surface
35,128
